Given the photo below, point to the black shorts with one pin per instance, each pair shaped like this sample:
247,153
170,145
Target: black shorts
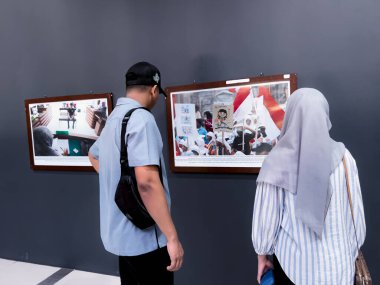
146,269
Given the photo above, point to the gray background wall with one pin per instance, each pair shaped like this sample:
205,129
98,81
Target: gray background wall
60,47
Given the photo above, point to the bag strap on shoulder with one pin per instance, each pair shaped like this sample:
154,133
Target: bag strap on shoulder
125,168
123,146
350,198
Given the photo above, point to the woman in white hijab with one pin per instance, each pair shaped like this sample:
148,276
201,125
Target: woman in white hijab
302,213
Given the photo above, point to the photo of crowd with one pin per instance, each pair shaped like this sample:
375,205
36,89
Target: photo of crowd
240,121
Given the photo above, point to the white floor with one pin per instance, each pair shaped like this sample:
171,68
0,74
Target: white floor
21,273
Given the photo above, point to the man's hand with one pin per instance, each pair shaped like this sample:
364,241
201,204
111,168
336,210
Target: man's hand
175,251
153,195
263,266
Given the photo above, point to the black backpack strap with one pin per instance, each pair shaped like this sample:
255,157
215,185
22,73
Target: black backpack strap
125,168
123,147
160,169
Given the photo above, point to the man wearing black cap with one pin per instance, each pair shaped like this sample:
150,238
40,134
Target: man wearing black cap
145,256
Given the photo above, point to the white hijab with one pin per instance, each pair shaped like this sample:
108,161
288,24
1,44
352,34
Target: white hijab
305,156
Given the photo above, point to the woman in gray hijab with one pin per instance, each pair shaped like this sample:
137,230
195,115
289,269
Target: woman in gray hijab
301,213
43,141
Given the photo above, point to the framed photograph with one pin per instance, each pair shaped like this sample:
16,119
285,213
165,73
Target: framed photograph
227,126
61,130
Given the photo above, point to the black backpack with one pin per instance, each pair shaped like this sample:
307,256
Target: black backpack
127,196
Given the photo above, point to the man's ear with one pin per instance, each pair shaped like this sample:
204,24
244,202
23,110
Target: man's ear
154,89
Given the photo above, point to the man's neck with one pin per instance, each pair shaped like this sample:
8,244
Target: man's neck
138,97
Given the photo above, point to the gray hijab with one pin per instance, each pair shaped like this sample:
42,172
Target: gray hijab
305,156
43,141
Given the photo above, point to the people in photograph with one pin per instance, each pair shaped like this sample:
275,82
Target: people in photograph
201,129
200,143
238,153
211,146
208,121
197,112
261,132
195,150
184,148
302,212
241,141
148,256
222,146
102,110
211,137
71,111
43,142
262,149
283,95
261,144
177,149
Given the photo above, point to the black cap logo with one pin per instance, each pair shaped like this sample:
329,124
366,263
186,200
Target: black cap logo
156,78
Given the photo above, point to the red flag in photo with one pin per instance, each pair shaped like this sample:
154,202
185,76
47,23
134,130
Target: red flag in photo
243,103
275,111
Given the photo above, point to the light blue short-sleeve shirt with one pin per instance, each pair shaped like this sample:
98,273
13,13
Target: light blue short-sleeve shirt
144,142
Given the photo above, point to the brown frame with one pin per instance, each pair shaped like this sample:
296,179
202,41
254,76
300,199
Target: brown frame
107,96
211,85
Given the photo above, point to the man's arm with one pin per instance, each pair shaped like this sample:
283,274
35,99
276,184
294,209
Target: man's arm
94,162
153,196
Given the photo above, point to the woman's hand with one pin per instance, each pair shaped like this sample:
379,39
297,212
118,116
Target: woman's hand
263,265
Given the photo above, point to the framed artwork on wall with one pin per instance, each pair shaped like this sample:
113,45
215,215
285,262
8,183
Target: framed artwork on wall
226,126
62,129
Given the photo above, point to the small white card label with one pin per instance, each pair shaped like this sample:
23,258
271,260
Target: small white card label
245,80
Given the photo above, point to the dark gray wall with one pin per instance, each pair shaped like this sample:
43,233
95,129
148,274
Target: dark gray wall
71,47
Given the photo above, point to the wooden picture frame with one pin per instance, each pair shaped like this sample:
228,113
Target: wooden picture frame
232,143
62,129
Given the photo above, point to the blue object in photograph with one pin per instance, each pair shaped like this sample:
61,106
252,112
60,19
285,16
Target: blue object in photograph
267,278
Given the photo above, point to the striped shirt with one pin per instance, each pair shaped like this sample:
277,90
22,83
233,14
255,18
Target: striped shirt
305,258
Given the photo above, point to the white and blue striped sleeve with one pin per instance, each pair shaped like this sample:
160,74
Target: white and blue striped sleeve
357,201
360,224
267,216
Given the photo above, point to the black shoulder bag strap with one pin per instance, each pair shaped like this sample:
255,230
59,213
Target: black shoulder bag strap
125,168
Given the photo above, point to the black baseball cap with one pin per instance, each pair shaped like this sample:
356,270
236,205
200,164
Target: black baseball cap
144,73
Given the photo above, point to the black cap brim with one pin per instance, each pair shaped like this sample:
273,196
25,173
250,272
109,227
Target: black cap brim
162,91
